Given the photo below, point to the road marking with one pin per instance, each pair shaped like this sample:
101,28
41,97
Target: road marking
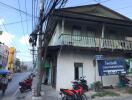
17,91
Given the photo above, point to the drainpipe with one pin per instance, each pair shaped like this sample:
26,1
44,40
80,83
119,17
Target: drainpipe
102,43
62,24
62,30
102,35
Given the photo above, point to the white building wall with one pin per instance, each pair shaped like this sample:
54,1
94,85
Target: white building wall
55,40
65,70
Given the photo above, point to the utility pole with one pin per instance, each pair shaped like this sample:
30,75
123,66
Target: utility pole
42,47
40,68
33,53
33,58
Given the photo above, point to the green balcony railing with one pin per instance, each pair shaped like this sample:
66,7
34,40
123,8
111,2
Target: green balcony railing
83,41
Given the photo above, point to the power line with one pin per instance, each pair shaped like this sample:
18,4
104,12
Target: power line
26,15
36,12
123,7
16,9
17,22
32,14
104,1
21,17
12,42
99,1
22,23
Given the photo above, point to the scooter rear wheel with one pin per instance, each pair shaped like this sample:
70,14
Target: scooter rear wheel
67,98
21,90
84,97
3,92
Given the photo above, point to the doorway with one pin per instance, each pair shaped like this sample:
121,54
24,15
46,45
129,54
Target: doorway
78,70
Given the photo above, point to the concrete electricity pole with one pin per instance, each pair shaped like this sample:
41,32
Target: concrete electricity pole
33,53
40,68
47,36
33,57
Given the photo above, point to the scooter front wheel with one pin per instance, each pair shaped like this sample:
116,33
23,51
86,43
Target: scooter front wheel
21,90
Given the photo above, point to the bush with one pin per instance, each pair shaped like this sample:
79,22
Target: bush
129,90
98,86
104,93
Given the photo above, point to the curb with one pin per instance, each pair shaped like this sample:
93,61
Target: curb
112,98
16,93
37,98
34,93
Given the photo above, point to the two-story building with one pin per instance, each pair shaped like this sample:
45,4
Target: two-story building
80,33
4,51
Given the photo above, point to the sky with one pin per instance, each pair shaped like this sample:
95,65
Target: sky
17,34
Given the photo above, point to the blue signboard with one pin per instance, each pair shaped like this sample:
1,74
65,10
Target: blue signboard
111,67
99,57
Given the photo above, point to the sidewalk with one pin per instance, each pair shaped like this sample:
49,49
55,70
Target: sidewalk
47,92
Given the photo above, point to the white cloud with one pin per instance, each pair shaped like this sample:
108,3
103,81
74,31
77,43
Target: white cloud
25,40
2,21
7,38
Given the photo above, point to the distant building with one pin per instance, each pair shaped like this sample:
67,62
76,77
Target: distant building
4,51
11,59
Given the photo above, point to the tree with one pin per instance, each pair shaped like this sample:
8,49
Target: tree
17,64
23,67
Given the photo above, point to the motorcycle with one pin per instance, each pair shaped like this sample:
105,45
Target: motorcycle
25,85
3,88
77,93
82,82
3,80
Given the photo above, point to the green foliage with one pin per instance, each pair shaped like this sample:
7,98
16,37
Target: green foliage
105,93
17,62
129,90
98,86
1,32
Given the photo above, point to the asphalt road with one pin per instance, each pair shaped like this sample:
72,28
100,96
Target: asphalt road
13,85
115,98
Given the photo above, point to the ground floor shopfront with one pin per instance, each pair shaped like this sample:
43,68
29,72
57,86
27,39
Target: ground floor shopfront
69,65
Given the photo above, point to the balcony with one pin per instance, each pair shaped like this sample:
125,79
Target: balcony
92,42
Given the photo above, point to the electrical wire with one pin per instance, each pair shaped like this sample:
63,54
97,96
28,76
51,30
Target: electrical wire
34,10
26,15
104,1
11,7
11,41
32,15
123,7
36,13
99,1
17,22
48,11
22,23
3,25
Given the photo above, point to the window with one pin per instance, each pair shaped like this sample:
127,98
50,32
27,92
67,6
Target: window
76,33
76,30
90,32
78,70
128,38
